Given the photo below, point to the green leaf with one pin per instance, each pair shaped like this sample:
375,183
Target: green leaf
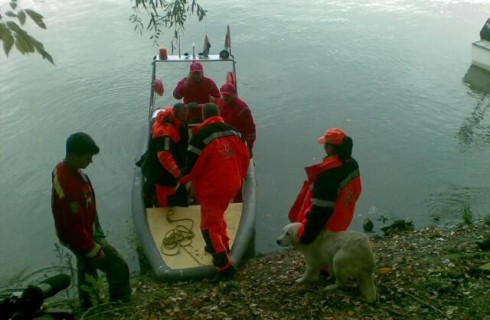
7,38
23,43
40,49
14,27
36,17
10,14
3,30
13,4
486,266
21,15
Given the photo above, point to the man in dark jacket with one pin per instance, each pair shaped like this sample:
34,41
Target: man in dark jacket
329,196
77,225
166,155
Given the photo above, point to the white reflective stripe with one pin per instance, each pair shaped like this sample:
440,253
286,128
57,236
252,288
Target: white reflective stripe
166,143
57,185
322,203
194,150
220,134
348,179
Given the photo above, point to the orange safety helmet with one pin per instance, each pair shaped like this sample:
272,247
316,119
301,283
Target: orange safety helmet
158,86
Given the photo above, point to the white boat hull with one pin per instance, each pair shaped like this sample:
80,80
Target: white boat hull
480,54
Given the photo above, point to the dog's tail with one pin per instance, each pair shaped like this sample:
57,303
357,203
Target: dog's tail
366,285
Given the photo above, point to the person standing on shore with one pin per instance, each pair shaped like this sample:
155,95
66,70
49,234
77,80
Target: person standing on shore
77,225
328,198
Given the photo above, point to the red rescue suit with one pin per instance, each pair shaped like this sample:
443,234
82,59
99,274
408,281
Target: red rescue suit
198,92
238,115
217,161
328,198
169,143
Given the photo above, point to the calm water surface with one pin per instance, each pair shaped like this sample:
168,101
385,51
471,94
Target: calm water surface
395,74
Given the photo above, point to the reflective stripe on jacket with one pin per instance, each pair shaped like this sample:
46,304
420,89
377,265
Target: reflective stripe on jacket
328,198
217,158
167,148
74,209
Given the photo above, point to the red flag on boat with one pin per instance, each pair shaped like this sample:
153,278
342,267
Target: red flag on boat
228,38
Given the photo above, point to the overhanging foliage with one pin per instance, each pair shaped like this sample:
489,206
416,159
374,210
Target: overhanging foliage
12,34
153,16
163,14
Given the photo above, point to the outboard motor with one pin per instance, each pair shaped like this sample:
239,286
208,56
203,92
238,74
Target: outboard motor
485,31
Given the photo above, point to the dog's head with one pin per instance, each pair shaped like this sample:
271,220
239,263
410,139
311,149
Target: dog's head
289,235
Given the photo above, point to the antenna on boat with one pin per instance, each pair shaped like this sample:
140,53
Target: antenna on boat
193,51
178,42
226,52
228,39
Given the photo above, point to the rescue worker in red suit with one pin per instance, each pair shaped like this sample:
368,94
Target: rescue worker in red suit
166,152
236,113
328,198
77,226
196,88
217,161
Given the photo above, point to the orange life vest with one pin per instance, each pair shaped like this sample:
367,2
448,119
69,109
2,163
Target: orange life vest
348,193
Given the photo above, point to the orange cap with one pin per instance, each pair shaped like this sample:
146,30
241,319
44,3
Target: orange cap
333,136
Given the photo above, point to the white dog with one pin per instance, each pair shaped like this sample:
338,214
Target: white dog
346,255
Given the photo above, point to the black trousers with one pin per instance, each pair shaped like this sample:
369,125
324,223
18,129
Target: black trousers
116,271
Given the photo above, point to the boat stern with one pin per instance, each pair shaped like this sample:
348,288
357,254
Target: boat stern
480,54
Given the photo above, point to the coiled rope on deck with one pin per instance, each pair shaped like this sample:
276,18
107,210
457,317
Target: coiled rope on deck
179,237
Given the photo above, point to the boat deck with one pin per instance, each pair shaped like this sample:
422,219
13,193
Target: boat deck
177,235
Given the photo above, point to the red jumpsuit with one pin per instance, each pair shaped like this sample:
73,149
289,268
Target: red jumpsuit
217,162
237,114
198,92
328,199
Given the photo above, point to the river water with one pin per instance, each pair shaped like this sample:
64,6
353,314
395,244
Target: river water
395,74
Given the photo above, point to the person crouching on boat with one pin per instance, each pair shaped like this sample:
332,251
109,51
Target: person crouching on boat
217,161
166,152
196,88
328,198
236,113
